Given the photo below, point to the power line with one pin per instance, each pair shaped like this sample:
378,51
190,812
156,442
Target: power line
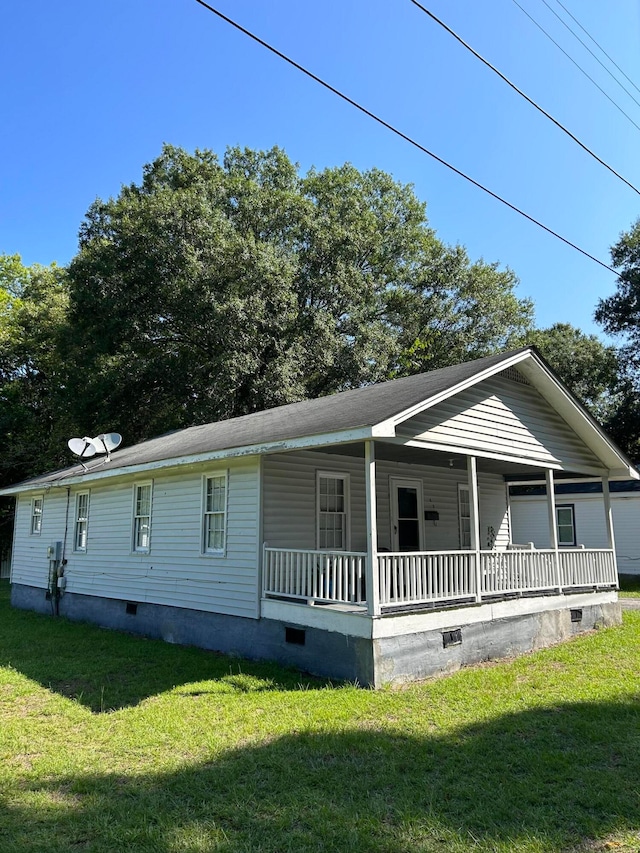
399,133
586,47
599,46
578,66
523,95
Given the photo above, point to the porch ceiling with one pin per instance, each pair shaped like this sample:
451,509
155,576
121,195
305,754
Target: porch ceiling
435,458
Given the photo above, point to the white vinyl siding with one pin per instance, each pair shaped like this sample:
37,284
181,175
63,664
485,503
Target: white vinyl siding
290,500
215,514
502,417
178,575
142,498
81,527
332,502
36,515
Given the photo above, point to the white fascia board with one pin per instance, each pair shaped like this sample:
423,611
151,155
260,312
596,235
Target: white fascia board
304,443
392,422
458,450
579,420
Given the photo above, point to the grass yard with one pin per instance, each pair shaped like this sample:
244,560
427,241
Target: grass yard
114,744
629,586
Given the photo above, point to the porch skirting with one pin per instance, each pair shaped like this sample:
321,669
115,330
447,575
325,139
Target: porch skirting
344,645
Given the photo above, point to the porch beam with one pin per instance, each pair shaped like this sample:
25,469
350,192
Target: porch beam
553,525
474,507
608,517
372,574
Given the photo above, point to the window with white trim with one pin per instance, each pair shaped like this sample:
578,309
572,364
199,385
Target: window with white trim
36,515
566,524
142,495
81,528
332,503
464,515
214,529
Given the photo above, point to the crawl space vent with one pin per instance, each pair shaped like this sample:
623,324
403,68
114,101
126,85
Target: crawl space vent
451,638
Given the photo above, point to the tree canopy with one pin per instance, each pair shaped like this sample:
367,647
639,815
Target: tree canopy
213,289
217,287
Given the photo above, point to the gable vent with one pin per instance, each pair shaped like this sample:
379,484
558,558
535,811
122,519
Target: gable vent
514,375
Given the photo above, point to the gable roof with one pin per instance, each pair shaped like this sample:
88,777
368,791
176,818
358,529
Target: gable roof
366,412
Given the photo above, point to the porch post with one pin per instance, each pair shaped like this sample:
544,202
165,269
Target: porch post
553,526
474,507
608,520
372,575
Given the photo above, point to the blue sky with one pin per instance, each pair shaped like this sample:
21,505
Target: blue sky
91,91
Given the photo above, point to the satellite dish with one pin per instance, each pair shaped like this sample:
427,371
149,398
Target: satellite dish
106,442
82,447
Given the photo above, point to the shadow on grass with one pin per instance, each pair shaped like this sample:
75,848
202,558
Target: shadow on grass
105,670
547,779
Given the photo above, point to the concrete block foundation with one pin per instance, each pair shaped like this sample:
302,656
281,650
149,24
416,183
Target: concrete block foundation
377,652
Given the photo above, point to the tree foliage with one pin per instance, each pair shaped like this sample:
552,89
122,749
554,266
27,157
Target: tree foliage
212,289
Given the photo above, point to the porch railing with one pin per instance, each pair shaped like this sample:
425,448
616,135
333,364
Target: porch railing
324,576
432,576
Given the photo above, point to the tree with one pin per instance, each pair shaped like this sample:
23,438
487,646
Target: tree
619,315
33,308
590,368
215,289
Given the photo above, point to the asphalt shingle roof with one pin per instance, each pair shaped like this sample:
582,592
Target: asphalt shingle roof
360,407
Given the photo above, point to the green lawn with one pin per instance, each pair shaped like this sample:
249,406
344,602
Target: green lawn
629,586
116,744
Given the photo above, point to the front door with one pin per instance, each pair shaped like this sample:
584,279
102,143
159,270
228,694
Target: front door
406,515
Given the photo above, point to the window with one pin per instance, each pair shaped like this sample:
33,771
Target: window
142,517
333,511
215,514
464,516
566,525
36,515
82,522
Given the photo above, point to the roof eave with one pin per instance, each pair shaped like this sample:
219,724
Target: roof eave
303,443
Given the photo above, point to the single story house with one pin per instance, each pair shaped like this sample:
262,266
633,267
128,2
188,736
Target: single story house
366,535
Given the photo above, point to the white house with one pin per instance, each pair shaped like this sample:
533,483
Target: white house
366,535
579,516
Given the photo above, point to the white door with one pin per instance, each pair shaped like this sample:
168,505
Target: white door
406,515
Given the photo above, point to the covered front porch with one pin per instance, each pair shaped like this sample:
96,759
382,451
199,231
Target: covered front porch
383,580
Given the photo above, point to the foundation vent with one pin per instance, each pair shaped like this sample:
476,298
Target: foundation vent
576,615
451,638
295,636
132,608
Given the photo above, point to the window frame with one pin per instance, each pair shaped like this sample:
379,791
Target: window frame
570,507
33,515
81,549
206,513
137,518
346,479
464,487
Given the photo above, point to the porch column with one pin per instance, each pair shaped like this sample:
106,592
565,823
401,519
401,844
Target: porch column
474,508
372,577
608,521
553,525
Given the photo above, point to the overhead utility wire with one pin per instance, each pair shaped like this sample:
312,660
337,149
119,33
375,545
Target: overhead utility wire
525,96
578,66
586,47
598,45
400,133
